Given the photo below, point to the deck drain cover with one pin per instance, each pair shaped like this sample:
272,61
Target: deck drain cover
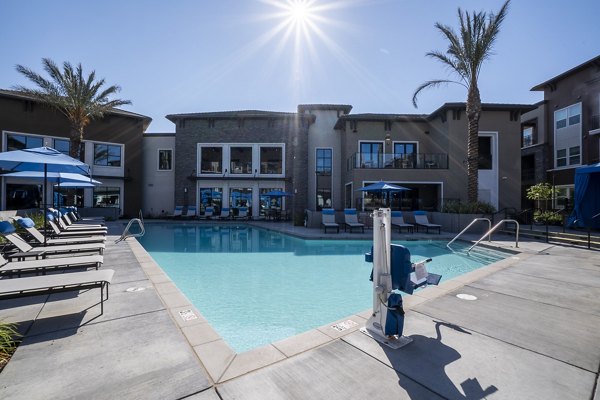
342,326
135,289
464,296
187,315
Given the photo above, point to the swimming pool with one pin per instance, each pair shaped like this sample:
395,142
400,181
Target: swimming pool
256,286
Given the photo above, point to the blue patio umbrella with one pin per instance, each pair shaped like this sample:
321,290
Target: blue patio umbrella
383,187
43,159
276,193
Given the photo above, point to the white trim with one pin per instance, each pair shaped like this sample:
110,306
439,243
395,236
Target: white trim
158,169
122,156
226,159
404,141
6,133
372,141
493,173
579,136
199,147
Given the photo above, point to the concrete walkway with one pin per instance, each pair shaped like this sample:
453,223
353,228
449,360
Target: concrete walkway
532,333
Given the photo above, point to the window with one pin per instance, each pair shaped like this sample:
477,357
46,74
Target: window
107,155
211,197
574,155
211,160
563,196
561,158
165,159
271,160
371,155
62,145
241,197
270,202
20,197
107,196
20,142
405,155
348,196
324,160
485,152
568,116
527,136
68,197
241,160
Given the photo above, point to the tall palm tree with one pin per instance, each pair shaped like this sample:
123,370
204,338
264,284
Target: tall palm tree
81,99
466,53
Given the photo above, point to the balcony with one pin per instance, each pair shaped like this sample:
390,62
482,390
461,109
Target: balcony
398,161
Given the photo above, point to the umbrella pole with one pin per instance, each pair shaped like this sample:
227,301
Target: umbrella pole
45,203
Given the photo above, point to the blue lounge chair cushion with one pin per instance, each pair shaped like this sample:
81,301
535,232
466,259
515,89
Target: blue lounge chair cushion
328,211
26,222
350,211
6,227
419,213
49,216
396,213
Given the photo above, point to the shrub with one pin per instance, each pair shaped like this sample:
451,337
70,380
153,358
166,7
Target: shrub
547,217
457,207
8,344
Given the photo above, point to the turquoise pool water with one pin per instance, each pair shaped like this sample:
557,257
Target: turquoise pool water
257,286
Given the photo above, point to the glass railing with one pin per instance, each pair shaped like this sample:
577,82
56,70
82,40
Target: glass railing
398,161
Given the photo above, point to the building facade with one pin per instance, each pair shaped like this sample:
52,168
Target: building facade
112,147
563,132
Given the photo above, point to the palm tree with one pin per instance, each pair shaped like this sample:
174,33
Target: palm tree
81,99
467,50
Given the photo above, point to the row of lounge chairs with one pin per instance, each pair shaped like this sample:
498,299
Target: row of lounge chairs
351,221
209,213
70,242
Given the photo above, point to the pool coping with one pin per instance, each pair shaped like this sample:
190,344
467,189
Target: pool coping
222,363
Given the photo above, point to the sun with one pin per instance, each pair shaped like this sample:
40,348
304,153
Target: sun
299,11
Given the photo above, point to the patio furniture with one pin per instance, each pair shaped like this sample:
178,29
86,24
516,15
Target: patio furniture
37,266
178,211
242,213
351,220
191,212
398,220
57,232
29,226
422,220
208,213
328,220
57,283
224,213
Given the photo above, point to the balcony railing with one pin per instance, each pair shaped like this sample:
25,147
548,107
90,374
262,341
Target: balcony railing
398,161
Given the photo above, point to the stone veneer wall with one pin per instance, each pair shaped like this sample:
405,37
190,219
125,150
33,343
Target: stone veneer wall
289,130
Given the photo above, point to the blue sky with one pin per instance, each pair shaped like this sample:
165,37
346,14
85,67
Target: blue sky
184,56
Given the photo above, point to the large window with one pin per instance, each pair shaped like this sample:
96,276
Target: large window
241,160
68,197
211,197
485,152
527,136
371,155
20,142
107,196
165,159
268,203
405,155
23,196
271,160
324,161
568,116
241,197
211,160
62,145
107,155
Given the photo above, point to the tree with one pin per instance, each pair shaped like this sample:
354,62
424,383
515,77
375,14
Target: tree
81,99
466,53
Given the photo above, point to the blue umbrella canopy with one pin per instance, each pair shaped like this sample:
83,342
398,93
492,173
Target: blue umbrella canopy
383,187
60,177
41,159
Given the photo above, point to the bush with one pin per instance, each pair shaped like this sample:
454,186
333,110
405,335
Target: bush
457,207
8,344
547,217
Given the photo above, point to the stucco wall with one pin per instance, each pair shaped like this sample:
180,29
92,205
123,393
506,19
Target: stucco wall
159,186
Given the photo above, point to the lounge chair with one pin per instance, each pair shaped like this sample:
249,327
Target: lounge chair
29,226
208,213
328,219
224,213
242,213
422,220
8,231
78,217
65,222
191,212
37,266
178,212
57,283
398,220
51,220
351,220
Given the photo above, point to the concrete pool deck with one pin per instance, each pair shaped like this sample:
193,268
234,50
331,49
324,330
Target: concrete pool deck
532,333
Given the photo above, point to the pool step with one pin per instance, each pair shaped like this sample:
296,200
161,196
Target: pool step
570,238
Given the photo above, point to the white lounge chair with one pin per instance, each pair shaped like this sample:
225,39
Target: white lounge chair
351,220
178,211
242,213
328,219
422,220
225,214
208,213
57,283
398,220
191,212
37,266
29,226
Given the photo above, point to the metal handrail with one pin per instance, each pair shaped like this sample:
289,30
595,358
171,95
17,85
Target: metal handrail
126,233
468,226
489,233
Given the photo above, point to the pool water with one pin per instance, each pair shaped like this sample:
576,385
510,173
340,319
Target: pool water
256,286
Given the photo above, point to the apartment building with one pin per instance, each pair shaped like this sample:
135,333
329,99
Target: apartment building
563,132
112,147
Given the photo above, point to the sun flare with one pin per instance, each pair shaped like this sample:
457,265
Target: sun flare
299,11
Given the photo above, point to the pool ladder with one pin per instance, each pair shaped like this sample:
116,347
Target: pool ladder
126,234
488,233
